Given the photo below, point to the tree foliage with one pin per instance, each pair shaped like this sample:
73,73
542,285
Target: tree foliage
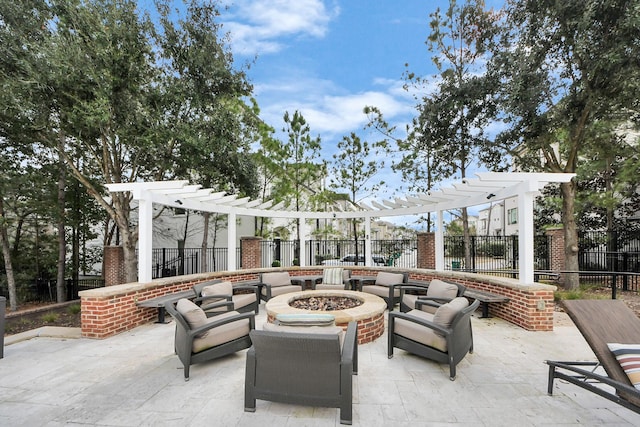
569,77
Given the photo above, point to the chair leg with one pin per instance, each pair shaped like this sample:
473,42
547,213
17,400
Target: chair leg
452,369
186,372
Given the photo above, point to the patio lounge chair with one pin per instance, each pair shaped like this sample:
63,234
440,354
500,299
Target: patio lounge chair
445,336
334,279
304,368
245,298
602,322
386,286
277,283
436,293
199,338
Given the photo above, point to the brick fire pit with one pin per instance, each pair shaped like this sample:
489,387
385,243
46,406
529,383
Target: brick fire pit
369,315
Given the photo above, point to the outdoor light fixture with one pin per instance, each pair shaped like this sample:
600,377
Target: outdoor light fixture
490,196
179,201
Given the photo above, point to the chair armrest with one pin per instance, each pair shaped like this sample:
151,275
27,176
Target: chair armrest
350,346
227,304
444,331
247,287
214,297
299,282
230,319
432,301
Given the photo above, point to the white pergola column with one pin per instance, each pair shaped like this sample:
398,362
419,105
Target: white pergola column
526,237
145,237
232,242
368,259
440,241
304,232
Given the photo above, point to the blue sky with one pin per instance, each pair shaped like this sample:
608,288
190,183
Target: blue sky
329,59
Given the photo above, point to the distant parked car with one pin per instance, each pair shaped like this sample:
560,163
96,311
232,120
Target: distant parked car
377,260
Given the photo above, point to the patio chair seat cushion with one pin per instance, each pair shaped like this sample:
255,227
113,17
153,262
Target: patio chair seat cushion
306,319
276,279
221,334
327,330
283,289
381,291
437,289
326,287
222,288
333,276
628,355
384,278
419,333
243,300
445,314
193,314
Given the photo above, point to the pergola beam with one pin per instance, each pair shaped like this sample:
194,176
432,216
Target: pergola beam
488,186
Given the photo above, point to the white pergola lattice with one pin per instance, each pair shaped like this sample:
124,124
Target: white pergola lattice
486,187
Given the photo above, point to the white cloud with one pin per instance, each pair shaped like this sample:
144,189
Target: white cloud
256,25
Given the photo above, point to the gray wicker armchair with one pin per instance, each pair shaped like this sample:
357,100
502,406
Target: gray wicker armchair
436,293
245,297
302,368
199,339
276,283
445,336
386,285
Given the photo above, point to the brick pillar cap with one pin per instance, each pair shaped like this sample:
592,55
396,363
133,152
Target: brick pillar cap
251,238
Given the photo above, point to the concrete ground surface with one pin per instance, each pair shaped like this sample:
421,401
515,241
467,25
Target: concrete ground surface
135,379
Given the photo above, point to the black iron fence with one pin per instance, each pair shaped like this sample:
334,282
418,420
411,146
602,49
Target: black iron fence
180,261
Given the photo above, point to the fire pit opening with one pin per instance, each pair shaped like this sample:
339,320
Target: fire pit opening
325,303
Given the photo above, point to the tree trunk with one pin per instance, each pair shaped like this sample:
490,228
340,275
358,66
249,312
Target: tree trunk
205,241
130,258
6,254
62,240
571,280
467,238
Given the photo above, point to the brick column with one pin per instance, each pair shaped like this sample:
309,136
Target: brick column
251,250
556,250
113,268
426,250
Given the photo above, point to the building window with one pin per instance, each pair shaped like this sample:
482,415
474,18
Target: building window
512,215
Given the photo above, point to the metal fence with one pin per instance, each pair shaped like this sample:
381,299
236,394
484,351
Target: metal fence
179,261
493,254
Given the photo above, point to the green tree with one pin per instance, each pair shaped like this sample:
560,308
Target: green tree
353,169
297,166
566,68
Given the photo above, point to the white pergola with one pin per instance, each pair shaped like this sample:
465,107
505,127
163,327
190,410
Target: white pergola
486,187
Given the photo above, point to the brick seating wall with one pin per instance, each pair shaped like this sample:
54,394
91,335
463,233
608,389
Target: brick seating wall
111,310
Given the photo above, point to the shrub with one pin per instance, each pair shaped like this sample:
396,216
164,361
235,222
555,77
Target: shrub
74,309
49,317
275,263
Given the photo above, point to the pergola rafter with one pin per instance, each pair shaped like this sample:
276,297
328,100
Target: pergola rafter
487,187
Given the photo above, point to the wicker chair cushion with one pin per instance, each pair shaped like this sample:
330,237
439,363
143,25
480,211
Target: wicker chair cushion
221,334
222,288
193,314
328,330
279,278
279,290
420,333
439,289
333,276
381,291
447,312
385,278
309,319
243,300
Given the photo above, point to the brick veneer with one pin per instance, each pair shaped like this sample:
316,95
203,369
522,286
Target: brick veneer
426,249
113,265
251,250
112,310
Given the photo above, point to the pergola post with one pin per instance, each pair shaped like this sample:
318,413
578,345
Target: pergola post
440,241
231,242
145,236
526,237
304,231
367,241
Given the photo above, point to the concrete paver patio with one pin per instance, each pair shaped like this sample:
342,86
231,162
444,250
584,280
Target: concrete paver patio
134,379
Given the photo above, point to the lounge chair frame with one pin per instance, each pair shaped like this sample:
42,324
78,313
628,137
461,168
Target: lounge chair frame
601,322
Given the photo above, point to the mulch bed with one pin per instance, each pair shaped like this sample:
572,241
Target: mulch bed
34,315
